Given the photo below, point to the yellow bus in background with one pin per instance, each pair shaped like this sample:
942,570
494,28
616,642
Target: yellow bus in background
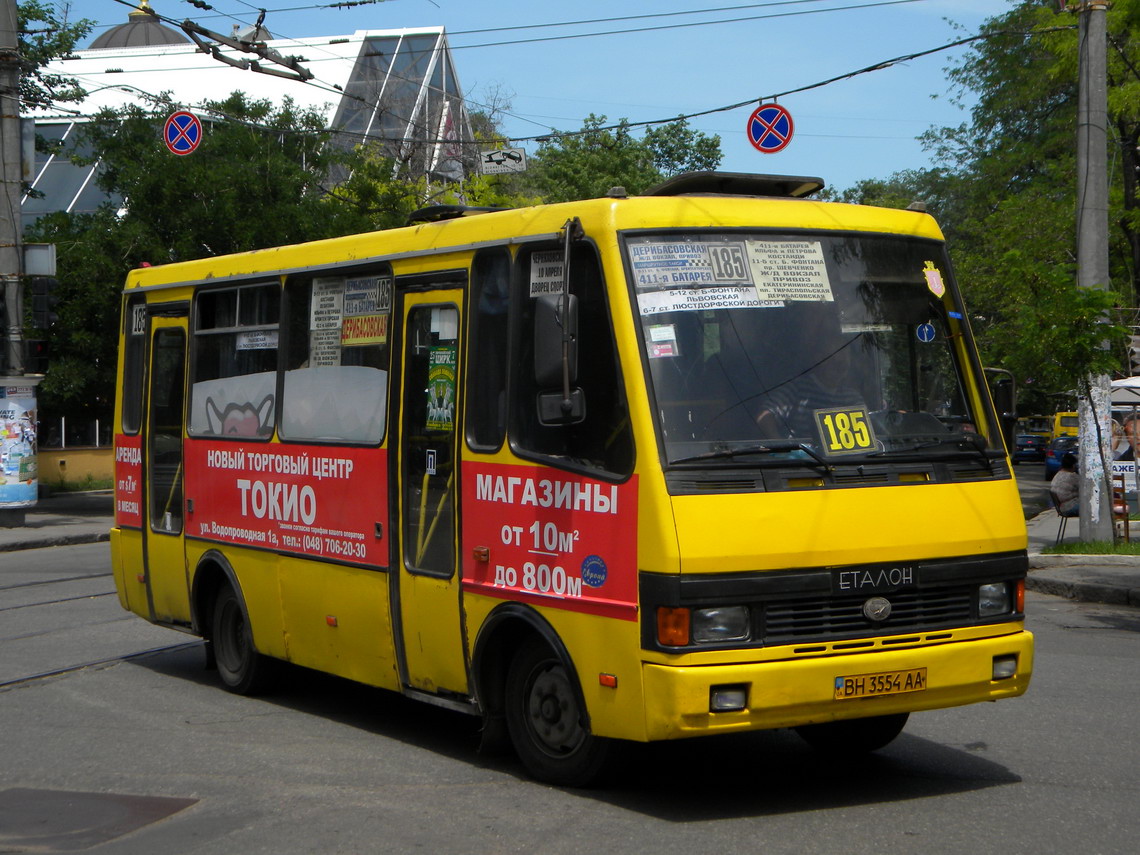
1041,426
1065,424
713,459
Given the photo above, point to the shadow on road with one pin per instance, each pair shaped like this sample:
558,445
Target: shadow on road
754,774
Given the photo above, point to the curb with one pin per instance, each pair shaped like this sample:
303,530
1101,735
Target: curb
55,540
1104,579
1087,592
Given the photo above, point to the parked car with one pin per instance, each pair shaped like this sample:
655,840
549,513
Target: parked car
1055,452
1029,446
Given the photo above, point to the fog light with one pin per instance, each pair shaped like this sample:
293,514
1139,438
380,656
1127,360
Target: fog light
994,599
728,698
723,623
1005,666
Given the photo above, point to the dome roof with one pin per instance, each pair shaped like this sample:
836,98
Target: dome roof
141,30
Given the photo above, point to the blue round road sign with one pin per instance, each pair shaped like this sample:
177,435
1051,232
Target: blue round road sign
770,128
925,333
182,132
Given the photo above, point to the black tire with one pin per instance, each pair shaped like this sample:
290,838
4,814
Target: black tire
243,670
545,720
854,736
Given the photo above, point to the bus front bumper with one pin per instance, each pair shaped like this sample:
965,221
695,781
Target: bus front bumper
788,693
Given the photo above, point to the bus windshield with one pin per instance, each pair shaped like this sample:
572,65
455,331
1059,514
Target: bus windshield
764,348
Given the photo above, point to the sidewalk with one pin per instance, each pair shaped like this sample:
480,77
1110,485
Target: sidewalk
70,518
62,520
1111,579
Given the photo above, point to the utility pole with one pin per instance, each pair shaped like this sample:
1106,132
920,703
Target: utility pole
11,256
1092,258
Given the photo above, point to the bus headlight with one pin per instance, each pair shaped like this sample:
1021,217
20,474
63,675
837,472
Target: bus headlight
722,623
994,599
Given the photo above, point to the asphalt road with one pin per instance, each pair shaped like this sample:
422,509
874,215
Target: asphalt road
1033,487
148,754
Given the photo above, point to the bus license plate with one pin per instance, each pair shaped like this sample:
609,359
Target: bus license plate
883,683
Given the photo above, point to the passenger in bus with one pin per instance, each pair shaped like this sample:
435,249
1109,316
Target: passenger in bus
824,378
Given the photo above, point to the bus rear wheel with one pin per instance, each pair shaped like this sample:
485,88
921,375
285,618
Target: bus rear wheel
243,670
854,736
546,722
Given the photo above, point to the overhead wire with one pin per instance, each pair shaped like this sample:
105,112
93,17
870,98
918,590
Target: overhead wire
553,132
878,66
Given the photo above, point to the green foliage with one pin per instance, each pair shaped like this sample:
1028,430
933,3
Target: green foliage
255,181
586,164
1005,194
44,35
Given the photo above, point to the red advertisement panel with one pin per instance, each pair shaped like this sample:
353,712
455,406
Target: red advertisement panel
322,501
551,537
128,481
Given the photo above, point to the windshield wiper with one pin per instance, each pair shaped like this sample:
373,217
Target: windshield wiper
961,441
770,447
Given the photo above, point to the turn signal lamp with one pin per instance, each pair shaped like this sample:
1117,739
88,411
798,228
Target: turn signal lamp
672,627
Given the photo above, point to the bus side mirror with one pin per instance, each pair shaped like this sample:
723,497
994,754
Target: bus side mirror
548,332
1004,392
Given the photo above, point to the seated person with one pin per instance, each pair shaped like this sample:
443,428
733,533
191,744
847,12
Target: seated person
1066,486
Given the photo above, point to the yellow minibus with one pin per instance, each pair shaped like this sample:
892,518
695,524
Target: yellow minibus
712,459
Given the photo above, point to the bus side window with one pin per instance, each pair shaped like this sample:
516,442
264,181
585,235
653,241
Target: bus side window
235,361
336,359
487,368
134,362
602,441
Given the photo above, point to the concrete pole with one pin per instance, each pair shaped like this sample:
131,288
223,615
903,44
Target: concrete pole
11,227
1092,258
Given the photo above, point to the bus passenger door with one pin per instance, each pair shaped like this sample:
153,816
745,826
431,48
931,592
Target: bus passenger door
163,550
434,658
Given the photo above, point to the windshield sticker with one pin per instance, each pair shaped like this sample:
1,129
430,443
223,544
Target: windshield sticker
689,265
663,341
933,279
692,276
327,306
700,299
790,270
546,273
257,340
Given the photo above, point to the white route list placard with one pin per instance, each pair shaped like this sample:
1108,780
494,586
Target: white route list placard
789,270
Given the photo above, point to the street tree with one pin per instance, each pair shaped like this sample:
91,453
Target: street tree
257,180
44,35
1004,191
585,164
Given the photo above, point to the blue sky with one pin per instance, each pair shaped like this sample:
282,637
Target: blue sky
844,132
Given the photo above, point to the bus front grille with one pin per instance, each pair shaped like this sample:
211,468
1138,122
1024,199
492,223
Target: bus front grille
829,617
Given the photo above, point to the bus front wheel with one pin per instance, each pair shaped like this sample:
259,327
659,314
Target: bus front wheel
546,722
243,670
855,735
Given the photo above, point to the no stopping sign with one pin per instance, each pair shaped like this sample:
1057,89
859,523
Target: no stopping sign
770,128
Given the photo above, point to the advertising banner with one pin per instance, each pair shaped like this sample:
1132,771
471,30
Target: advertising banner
128,481
320,501
19,482
553,538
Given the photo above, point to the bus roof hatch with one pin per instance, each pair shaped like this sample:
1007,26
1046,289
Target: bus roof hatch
737,184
